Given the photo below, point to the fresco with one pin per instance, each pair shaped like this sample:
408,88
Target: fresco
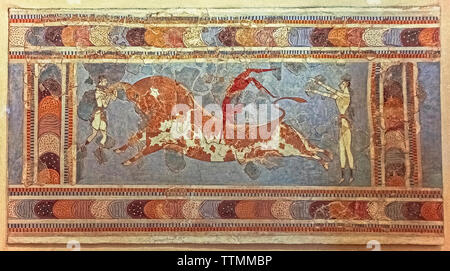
288,126
316,120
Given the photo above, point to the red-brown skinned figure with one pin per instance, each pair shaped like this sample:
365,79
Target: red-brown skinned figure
239,84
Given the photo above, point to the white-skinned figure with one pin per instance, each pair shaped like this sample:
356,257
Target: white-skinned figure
342,98
99,122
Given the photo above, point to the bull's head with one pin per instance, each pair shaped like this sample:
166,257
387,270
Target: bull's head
134,94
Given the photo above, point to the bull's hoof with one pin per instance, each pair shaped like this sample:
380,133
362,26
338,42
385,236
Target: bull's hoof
328,154
118,150
100,155
127,163
341,180
324,164
252,170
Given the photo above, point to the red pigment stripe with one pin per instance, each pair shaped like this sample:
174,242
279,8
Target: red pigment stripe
263,56
224,190
412,124
94,19
28,134
269,228
322,193
374,109
70,124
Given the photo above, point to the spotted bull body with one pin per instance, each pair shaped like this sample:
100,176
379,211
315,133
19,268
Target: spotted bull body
156,98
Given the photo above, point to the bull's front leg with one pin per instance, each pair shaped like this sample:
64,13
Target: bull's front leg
133,140
147,150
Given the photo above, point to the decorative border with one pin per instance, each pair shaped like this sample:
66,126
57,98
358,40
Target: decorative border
93,35
223,191
36,18
28,170
395,125
230,228
226,55
274,210
192,209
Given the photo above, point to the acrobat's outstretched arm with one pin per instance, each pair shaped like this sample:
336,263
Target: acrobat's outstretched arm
325,94
335,92
327,87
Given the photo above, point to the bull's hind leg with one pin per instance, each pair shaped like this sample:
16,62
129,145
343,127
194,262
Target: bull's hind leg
322,162
328,155
312,151
135,138
316,151
147,150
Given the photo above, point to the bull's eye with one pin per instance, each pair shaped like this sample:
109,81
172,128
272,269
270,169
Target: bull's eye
136,96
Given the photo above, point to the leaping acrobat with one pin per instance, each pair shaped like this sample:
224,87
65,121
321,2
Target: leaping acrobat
240,83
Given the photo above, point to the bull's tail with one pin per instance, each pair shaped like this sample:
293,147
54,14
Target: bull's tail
283,112
296,99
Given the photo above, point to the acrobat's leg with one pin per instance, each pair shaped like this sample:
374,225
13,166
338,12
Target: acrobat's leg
248,71
347,140
104,137
259,86
343,157
91,137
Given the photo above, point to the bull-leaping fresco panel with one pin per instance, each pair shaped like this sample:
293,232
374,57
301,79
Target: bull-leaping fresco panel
296,125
